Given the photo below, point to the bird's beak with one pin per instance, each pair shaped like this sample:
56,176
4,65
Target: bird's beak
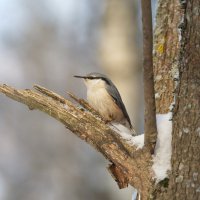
80,76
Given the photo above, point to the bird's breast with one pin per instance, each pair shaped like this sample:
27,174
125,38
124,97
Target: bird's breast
100,100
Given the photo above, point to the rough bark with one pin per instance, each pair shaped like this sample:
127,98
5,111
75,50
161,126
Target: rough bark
185,177
177,77
129,165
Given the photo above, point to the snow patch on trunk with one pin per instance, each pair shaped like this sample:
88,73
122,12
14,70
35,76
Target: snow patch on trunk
162,157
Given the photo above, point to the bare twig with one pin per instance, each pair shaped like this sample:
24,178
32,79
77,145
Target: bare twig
149,94
51,94
85,104
129,166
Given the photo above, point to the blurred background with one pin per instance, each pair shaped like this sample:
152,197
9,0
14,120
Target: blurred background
47,42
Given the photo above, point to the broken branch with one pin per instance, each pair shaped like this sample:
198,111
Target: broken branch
131,166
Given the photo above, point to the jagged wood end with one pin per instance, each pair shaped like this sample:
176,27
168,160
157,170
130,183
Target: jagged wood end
118,175
131,166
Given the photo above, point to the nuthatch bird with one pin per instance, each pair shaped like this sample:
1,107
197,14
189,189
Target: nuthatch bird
104,97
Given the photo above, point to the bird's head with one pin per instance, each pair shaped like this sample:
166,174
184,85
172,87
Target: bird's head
94,80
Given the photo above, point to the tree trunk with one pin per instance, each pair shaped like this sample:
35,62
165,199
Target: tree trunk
177,70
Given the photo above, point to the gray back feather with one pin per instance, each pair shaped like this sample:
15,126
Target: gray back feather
112,90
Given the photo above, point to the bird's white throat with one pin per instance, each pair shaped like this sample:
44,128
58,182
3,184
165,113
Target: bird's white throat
94,84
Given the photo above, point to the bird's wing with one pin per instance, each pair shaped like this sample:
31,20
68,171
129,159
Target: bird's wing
112,90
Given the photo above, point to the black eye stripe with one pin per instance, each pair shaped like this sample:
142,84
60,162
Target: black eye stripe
91,78
104,79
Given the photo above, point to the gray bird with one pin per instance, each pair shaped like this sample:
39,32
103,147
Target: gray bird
103,96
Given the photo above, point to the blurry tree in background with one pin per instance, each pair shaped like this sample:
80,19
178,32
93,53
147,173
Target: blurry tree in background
46,42
119,52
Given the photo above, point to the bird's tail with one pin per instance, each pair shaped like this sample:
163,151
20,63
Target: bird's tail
133,132
130,127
